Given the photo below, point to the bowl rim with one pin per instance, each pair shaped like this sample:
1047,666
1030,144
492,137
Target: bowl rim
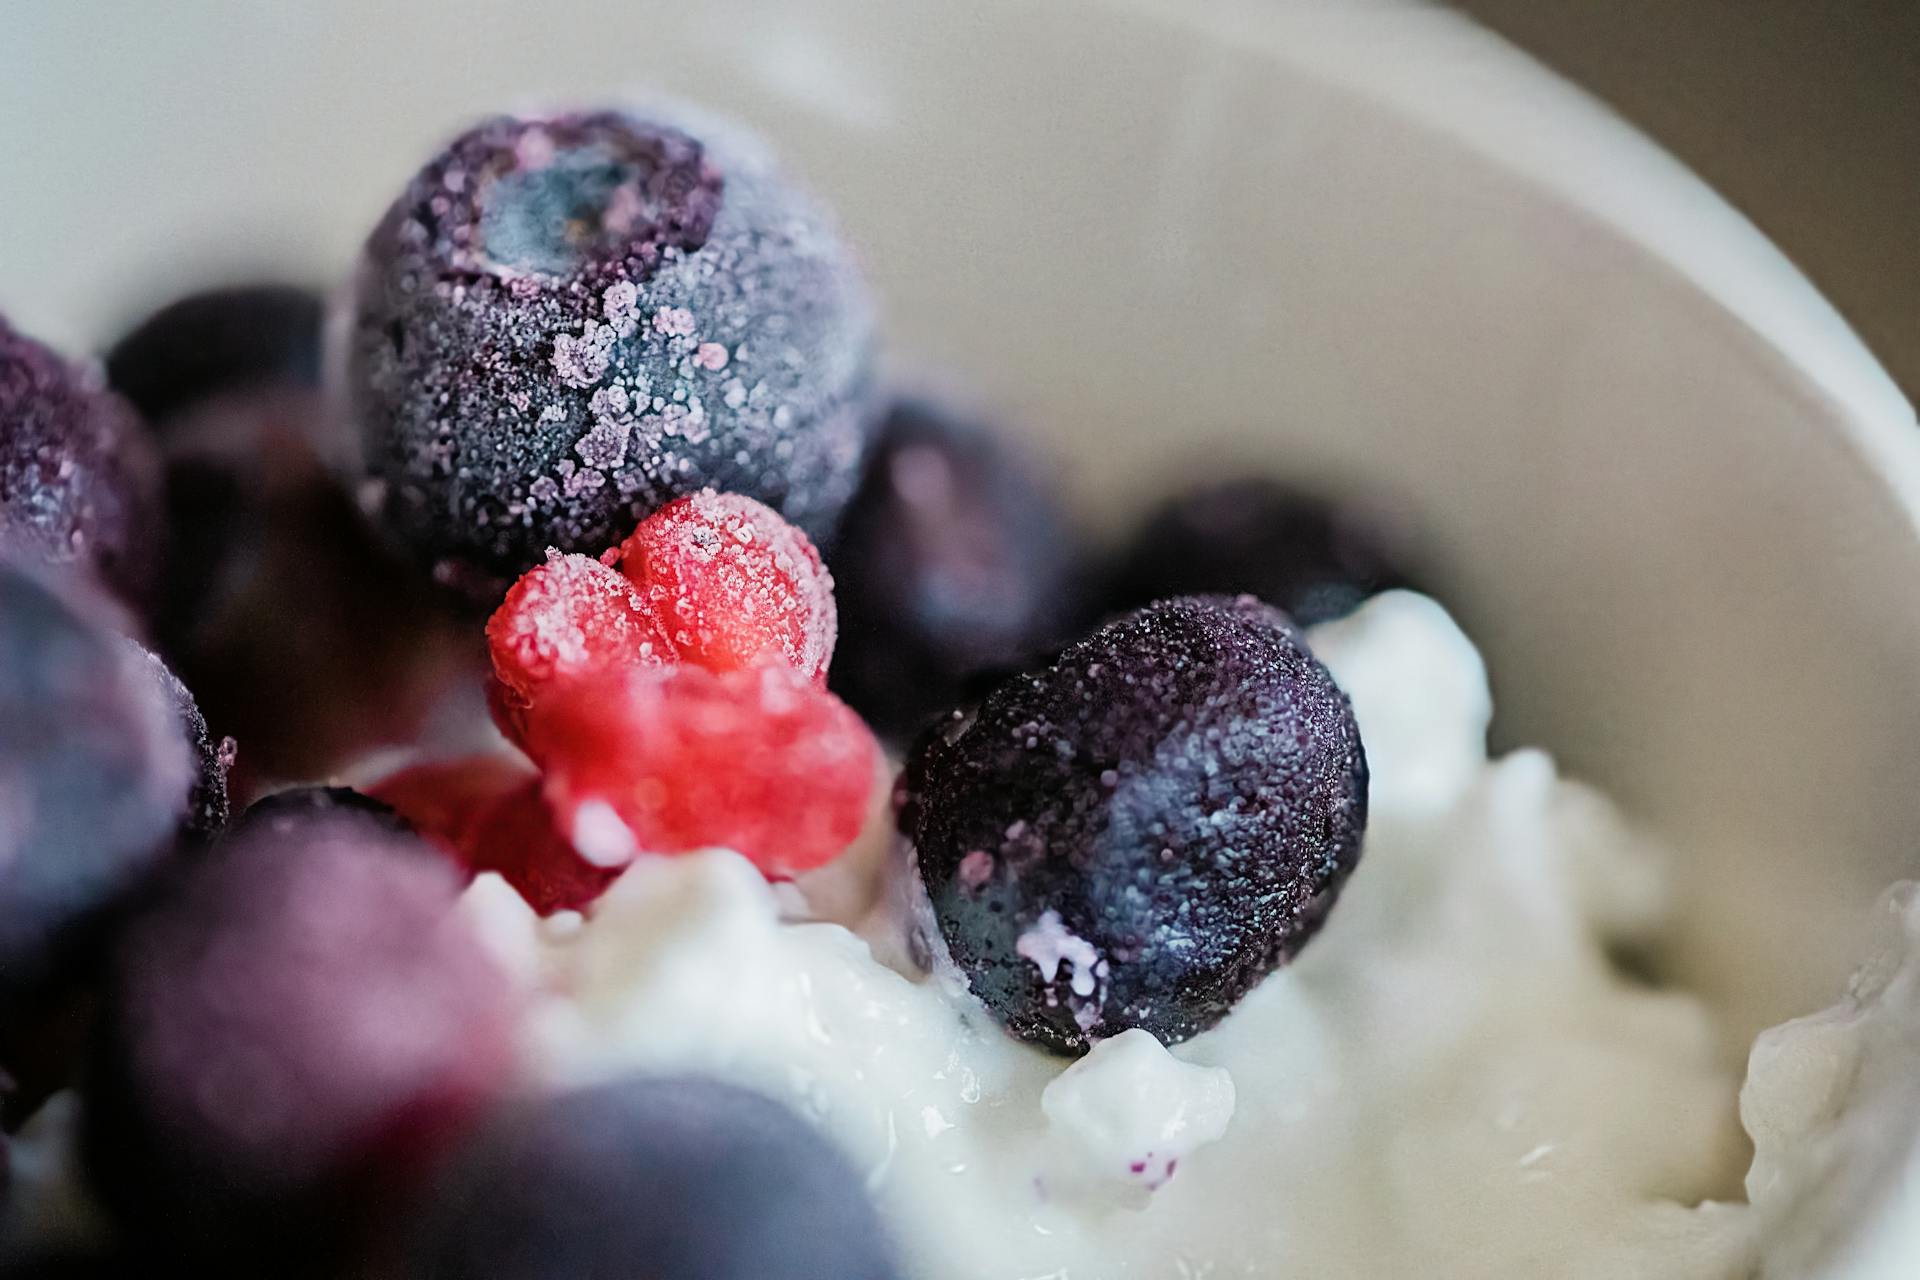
1615,176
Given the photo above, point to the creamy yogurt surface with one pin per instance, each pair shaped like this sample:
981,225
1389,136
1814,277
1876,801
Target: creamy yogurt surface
1458,1077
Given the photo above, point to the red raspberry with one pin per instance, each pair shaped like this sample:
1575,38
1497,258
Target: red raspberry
562,619
441,798
519,837
488,814
762,761
734,584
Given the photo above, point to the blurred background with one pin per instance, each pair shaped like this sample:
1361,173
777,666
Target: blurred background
1804,113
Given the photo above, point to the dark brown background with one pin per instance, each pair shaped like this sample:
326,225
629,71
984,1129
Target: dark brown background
1804,113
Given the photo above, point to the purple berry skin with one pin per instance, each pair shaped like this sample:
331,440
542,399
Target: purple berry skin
295,1026
676,1176
219,342
288,810
110,775
79,481
564,323
954,559
1313,558
207,807
94,768
1138,834
296,625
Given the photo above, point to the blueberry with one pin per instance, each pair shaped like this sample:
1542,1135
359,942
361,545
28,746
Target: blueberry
79,484
295,1026
290,809
93,767
95,779
206,807
954,559
678,1176
1314,558
295,624
562,324
215,343
1136,835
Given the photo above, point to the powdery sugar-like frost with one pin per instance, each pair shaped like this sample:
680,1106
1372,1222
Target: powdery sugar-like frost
732,583
570,616
760,760
79,483
563,324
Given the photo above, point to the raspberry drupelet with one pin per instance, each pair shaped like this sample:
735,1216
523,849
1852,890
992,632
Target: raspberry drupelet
733,584
674,704
490,813
565,619
762,761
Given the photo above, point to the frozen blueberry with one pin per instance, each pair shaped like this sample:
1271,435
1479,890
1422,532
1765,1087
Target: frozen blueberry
563,323
1134,836
954,559
290,809
96,784
220,342
93,767
1314,558
678,1176
291,1031
206,807
295,624
79,483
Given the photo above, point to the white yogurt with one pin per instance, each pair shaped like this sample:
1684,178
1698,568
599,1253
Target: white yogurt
1454,1079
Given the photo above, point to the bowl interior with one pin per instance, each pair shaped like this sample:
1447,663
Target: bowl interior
1364,245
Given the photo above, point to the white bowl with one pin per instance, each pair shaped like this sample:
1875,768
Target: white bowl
1368,244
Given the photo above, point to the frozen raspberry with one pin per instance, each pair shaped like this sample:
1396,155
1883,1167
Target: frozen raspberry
519,838
79,483
292,1031
562,324
734,584
762,761
490,813
440,799
567,618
